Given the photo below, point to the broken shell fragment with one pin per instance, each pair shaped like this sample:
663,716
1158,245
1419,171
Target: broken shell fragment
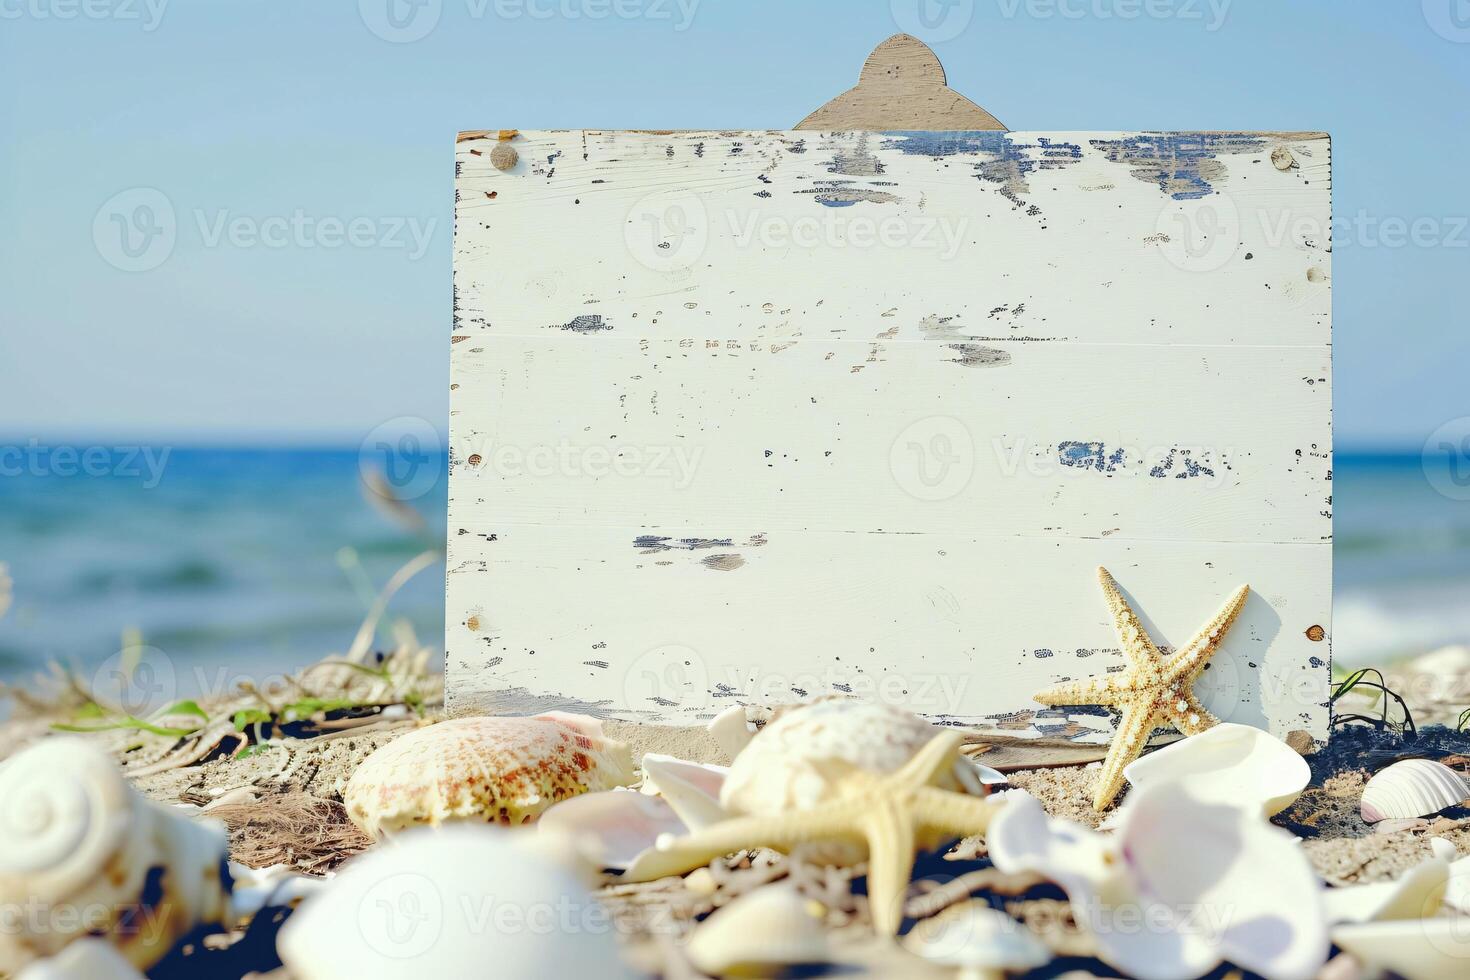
1236,764
1418,893
466,901
1457,889
731,730
485,770
1412,788
691,788
1418,949
79,843
761,932
614,827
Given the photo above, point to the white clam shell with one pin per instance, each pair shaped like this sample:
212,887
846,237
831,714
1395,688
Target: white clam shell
1236,764
1412,788
465,901
974,936
614,827
83,850
1192,855
768,928
1417,949
484,770
796,761
1212,882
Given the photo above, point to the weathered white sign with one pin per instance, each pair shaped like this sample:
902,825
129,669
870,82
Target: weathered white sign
751,416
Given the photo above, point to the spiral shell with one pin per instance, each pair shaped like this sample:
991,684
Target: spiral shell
487,770
1412,788
82,853
796,760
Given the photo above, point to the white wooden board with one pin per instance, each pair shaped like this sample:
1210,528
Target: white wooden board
753,416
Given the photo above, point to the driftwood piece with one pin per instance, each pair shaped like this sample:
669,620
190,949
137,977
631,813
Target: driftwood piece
902,87
1011,754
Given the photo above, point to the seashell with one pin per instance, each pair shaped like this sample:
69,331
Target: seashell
1457,889
83,850
465,901
1416,894
85,959
1255,899
1235,764
691,788
484,770
795,762
614,827
1412,788
1419,949
979,940
731,730
276,886
761,932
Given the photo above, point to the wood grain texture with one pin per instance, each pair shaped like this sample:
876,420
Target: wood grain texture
902,86
741,417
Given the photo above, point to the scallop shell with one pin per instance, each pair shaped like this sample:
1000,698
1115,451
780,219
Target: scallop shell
1228,763
1412,788
795,762
486,770
467,901
89,855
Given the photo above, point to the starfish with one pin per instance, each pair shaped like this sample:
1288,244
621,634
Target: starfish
1154,692
891,814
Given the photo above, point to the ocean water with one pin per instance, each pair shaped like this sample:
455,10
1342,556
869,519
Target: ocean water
230,564
236,563
1401,556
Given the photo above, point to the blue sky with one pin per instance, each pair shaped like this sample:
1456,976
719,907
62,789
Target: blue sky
290,113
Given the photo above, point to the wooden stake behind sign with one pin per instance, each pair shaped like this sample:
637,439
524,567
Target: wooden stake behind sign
745,417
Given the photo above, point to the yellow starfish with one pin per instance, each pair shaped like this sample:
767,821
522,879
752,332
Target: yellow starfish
1153,692
891,814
